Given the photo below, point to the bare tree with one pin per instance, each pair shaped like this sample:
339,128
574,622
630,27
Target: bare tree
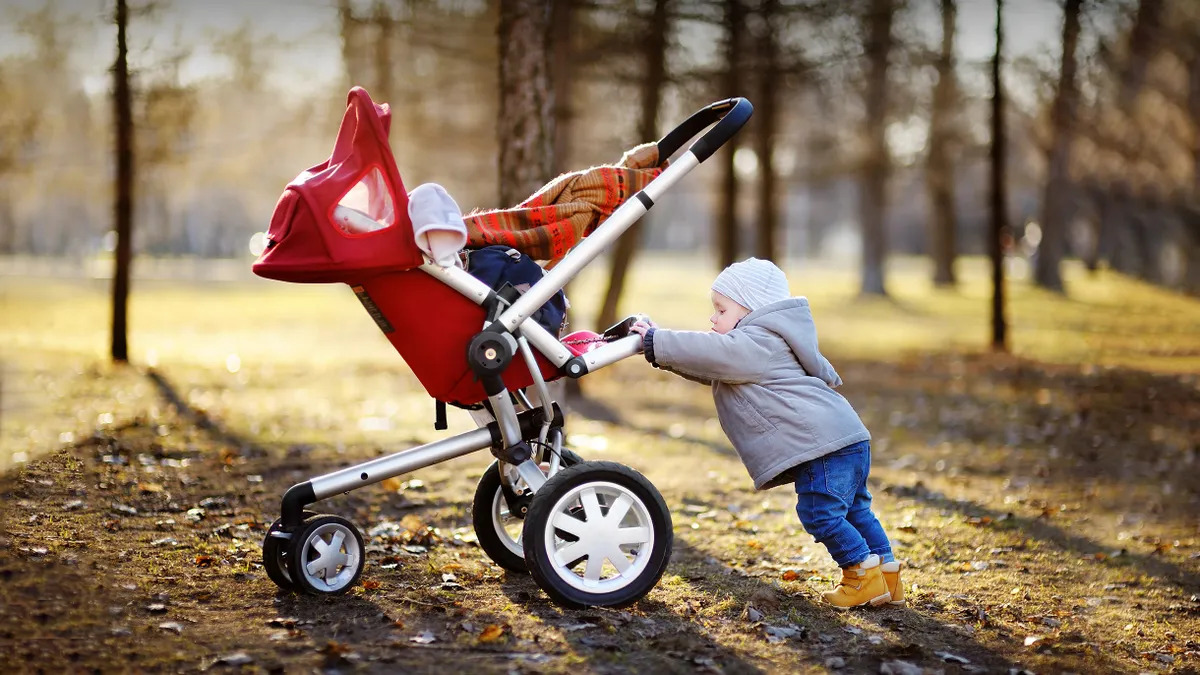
123,204
654,77
1056,203
770,89
727,223
999,193
525,125
876,164
939,168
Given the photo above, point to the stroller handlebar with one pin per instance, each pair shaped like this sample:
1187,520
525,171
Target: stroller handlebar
730,115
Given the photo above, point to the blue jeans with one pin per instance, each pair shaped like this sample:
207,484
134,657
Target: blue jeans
835,507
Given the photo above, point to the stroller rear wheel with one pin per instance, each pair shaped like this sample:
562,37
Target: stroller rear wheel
325,556
598,534
497,529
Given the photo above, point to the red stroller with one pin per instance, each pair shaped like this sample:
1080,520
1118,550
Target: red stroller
590,533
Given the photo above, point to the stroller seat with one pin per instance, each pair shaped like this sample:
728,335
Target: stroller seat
311,241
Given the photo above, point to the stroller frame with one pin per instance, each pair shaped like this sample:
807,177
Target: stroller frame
510,433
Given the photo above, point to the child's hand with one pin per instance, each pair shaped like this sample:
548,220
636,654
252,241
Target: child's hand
642,325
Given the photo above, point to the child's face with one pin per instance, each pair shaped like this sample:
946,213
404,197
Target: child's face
726,313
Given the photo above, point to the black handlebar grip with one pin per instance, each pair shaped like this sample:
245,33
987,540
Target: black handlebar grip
730,115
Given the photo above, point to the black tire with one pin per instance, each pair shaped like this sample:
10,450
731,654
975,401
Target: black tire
560,581
275,555
501,548
302,546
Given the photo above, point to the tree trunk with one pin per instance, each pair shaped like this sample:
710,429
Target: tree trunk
875,168
940,165
727,221
562,75
386,25
525,124
999,193
651,99
767,127
123,205
1194,109
1056,204
1144,41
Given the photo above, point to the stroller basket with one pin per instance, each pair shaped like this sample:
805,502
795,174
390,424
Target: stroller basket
597,533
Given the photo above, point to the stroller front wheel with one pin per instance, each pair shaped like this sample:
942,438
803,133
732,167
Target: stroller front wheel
325,555
598,534
275,555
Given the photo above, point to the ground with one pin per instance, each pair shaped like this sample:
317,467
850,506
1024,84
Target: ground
1045,500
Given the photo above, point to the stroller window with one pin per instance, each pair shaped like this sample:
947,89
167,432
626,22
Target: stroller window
367,206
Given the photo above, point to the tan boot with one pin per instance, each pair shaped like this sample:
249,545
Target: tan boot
891,576
861,584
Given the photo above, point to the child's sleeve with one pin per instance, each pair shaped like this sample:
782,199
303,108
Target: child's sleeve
735,357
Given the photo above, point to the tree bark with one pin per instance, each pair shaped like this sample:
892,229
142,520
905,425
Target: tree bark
999,193
940,165
525,124
1056,203
727,220
651,99
123,204
876,164
769,88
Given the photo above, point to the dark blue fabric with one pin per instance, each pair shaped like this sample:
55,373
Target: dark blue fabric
835,507
498,265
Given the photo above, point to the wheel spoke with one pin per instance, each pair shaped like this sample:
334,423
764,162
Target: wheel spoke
619,559
591,505
569,523
336,542
616,512
632,535
320,545
313,566
570,554
594,564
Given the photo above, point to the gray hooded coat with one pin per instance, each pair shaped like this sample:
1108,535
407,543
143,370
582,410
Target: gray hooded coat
772,387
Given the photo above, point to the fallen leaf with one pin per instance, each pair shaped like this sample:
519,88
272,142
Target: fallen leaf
370,584
951,658
205,560
391,484
236,659
492,633
172,626
898,667
423,639
791,575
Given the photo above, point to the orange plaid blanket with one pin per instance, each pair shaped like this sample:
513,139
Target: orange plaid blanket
566,209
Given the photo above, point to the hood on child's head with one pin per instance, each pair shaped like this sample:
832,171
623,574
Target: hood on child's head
752,283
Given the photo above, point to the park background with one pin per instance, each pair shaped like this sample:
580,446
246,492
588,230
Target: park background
1035,453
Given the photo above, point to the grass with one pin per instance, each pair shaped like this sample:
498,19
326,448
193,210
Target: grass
1045,496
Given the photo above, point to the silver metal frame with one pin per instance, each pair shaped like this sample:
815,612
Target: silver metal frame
531,334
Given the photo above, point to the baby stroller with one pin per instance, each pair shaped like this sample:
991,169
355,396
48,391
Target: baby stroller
589,533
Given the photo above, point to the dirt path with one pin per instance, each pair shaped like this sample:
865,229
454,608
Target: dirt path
1047,515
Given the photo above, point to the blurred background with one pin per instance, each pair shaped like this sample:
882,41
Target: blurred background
871,113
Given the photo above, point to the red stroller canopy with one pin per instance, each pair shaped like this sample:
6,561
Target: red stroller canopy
347,217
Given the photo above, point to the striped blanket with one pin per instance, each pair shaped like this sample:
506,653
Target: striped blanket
565,210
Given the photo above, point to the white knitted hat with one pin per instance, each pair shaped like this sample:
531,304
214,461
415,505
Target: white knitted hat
752,283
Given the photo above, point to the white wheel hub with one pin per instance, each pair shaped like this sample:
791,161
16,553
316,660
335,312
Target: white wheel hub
611,537
330,557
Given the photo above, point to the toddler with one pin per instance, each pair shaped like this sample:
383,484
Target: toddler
774,396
